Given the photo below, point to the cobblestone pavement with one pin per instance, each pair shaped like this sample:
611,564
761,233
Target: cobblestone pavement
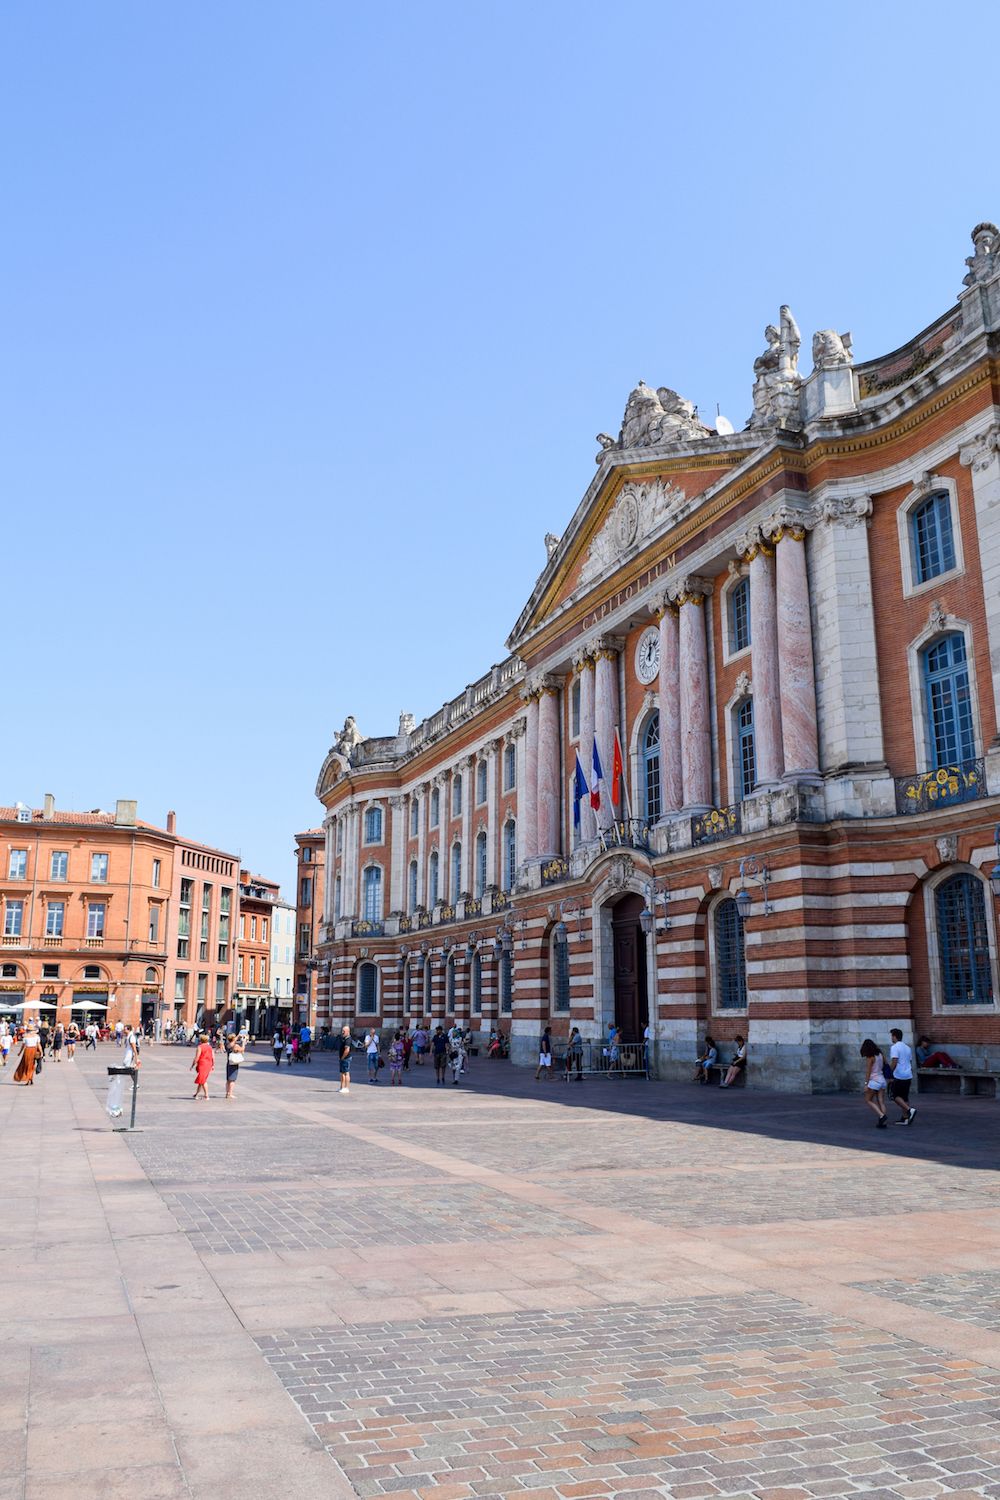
616,1289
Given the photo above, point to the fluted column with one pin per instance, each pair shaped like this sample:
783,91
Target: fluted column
796,669
696,732
493,752
606,714
330,831
467,768
982,458
527,799
549,771
671,768
584,664
764,658
397,856
349,889
420,793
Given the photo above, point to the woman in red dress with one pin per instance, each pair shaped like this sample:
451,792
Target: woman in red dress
204,1062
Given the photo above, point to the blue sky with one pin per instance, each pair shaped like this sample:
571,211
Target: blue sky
311,311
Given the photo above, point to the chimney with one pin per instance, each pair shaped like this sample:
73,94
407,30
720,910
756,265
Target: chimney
171,822
125,813
50,807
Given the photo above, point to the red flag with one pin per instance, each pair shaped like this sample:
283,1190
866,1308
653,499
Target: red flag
616,772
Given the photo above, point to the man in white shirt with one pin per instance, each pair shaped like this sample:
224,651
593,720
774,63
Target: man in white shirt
901,1058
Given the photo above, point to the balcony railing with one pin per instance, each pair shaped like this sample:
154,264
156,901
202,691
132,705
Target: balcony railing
555,870
12,942
53,942
717,823
94,942
946,787
367,929
625,833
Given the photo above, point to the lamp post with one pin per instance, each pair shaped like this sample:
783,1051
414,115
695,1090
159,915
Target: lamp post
995,872
752,868
657,892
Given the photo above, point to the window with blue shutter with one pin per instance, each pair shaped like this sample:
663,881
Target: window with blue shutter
743,747
367,990
738,600
651,769
480,864
730,957
456,872
373,894
951,739
932,538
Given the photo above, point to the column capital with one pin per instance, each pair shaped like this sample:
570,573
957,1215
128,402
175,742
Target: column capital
691,590
516,730
493,747
843,510
607,646
466,762
583,658
397,803
663,604
982,451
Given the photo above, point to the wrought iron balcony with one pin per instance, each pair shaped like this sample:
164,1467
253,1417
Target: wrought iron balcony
717,823
947,786
625,833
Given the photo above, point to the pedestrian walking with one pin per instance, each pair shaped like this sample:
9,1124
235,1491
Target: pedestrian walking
345,1060
58,1037
397,1059
5,1040
277,1047
72,1037
90,1031
30,1060
420,1043
234,1056
901,1059
456,1054
407,1049
204,1062
374,1061
574,1055
544,1068
875,1080
119,1033
114,1104
290,1048
439,1051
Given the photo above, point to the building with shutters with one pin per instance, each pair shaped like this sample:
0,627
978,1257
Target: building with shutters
792,632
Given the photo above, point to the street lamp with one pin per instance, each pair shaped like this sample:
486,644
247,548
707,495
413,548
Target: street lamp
574,907
752,868
656,892
995,872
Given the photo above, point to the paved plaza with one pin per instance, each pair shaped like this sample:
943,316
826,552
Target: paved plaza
573,1290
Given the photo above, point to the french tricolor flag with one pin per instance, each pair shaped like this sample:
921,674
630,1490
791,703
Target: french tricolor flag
595,786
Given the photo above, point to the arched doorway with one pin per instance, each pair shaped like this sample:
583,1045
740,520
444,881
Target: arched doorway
629,956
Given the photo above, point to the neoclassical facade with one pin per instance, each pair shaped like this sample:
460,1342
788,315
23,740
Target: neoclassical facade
793,634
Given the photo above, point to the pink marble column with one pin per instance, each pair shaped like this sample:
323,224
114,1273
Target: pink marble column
764,658
799,733
585,667
527,805
605,717
671,770
549,775
696,732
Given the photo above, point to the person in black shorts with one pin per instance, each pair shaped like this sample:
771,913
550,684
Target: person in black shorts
439,1050
901,1058
345,1060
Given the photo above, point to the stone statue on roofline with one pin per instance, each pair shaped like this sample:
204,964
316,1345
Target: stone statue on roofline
777,381
831,349
984,264
349,738
654,417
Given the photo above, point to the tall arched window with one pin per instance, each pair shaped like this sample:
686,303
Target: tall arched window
367,990
456,871
506,982
428,986
414,815
963,941
738,600
744,751
336,899
509,768
477,985
435,807
432,881
950,733
450,986
509,855
932,539
730,958
651,769
373,894
559,976
411,884
150,976
456,794
481,863
373,825
407,987
481,782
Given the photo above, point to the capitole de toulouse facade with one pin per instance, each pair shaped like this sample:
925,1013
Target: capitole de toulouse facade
795,630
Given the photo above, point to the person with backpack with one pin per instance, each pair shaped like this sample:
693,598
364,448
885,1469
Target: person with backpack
874,1081
439,1051
901,1061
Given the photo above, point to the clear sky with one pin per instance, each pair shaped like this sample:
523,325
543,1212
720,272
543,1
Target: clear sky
311,311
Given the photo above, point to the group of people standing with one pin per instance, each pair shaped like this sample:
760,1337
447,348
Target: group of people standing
446,1049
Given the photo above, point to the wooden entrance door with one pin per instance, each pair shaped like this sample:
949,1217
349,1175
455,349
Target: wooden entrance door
631,1003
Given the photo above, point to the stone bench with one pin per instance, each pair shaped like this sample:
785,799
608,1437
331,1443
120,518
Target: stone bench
966,1081
722,1069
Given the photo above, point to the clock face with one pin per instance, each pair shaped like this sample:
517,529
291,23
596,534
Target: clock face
647,655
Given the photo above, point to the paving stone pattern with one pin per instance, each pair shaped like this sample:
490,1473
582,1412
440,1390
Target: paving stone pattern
702,1397
354,1216
969,1296
295,1154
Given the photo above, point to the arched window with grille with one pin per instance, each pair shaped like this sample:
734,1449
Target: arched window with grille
730,957
738,602
450,986
411,886
481,863
559,976
744,750
428,986
506,982
932,538
407,987
456,871
367,989
963,941
372,911
651,802
948,702
432,878
509,855
477,985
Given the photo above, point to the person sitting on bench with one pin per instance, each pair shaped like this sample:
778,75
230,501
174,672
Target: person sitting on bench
927,1057
738,1064
706,1062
